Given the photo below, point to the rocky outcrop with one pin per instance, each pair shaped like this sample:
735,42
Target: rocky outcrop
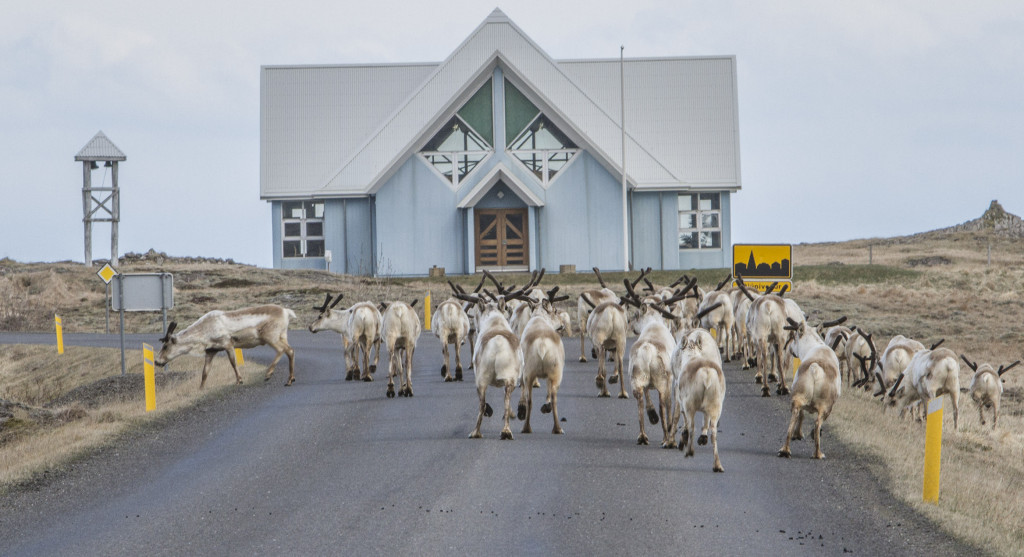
995,220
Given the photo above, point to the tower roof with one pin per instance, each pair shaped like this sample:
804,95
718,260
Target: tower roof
100,148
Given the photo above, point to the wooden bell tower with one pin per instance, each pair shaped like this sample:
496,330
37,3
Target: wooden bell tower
100,204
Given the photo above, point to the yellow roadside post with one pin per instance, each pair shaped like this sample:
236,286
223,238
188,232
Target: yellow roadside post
933,450
60,334
796,365
426,312
148,375
239,360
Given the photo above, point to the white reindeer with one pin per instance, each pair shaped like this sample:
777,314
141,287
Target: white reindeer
543,358
816,384
987,387
450,325
401,330
226,330
933,372
359,327
699,387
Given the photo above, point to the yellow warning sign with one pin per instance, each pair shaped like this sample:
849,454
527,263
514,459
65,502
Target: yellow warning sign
762,262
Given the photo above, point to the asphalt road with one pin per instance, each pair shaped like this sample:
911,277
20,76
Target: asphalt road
333,467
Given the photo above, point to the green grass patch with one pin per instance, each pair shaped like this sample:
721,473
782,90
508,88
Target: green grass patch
853,274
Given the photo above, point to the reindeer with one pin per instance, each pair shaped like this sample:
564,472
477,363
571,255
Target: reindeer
766,321
933,373
450,325
543,358
816,384
584,306
359,327
987,388
401,331
226,330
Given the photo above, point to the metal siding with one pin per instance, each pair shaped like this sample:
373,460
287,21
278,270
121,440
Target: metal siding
647,230
334,234
275,234
312,117
418,225
358,242
681,110
669,230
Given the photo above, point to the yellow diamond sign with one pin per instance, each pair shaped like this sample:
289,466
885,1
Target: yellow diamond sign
106,273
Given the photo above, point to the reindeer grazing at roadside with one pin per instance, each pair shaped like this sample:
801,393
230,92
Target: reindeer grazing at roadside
987,388
933,372
816,385
359,327
543,358
894,360
498,358
226,330
401,330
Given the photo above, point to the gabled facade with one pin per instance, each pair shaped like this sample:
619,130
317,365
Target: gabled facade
500,158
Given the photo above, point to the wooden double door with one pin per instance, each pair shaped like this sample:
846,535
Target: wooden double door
502,239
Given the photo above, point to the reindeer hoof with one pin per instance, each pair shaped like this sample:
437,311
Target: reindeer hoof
702,440
642,440
819,456
488,411
444,370
367,378
797,437
766,392
557,431
773,378
593,352
527,429
458,371
600,382
668,445
583,358
458,376
475,435
448,379
409,391
758,379
613,379
545,408
718,468
784,453
521,412
623,395
652,415
782,390
348,376
684,440
506,435
373,368
603,395
289,383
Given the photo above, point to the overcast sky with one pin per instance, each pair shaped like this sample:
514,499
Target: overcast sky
857,119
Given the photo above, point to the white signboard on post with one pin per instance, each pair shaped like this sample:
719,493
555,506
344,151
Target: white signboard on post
143,292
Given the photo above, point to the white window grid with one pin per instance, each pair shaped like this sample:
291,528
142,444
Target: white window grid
456,165
299,225
703,223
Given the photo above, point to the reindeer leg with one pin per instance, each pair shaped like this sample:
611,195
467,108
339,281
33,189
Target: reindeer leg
482,393
714,442
638,394
817,434
618,372
526,403
444,367
206,366
795,416
458,361
583,357
409,351
601,382
553,401
506,431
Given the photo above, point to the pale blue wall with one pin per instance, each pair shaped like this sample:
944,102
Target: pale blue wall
346,236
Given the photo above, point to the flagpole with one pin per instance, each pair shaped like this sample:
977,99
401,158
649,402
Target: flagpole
625,209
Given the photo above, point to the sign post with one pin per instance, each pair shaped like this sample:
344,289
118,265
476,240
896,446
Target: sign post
933,450
142,292
149,376
106,273
60,334
762,264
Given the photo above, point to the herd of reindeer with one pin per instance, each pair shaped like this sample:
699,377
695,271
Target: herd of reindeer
684,334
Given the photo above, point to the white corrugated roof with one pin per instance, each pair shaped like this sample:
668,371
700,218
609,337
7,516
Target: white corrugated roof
100,148
341,130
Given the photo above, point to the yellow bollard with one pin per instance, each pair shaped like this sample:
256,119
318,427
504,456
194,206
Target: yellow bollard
426,311
239,360
714,334
796,365
149,377
933,451
60,334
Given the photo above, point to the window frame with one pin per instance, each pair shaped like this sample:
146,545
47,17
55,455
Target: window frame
457,159
304,238
542,157
698,214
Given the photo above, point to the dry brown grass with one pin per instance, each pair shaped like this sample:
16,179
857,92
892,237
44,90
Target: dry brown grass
929,286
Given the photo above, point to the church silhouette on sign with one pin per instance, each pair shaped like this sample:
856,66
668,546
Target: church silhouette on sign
777,269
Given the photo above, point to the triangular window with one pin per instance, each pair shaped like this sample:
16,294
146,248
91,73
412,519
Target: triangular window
459,147
543,149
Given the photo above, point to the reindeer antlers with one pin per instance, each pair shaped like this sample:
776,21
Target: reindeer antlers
834,322
936,345
1003,370
171,327
970,364
599,278
725,280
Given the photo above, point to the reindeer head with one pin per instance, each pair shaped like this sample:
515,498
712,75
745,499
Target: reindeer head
328,317
170,347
